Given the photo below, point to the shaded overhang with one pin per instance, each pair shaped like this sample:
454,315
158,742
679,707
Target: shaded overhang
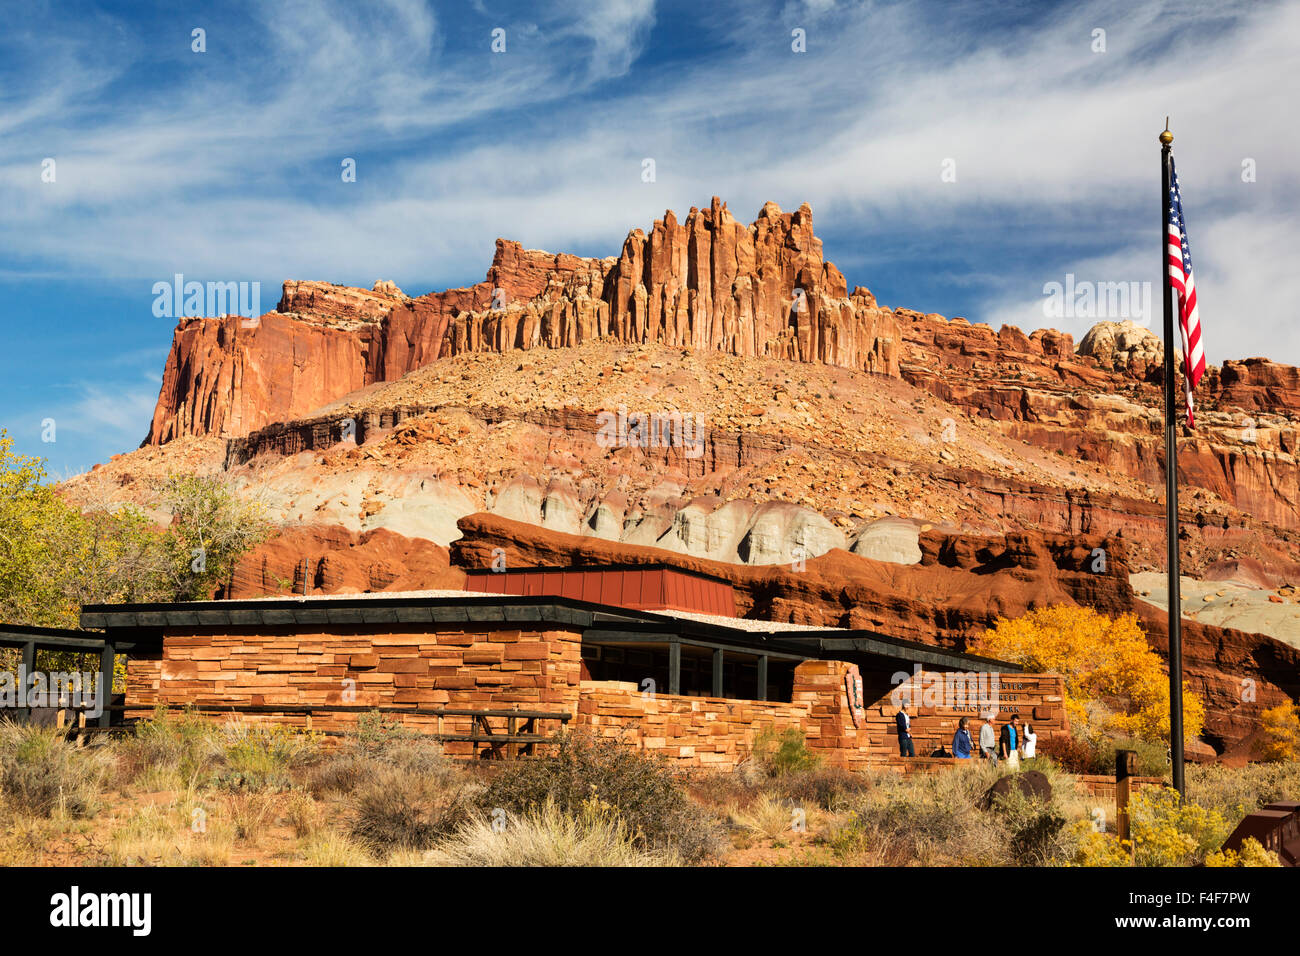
144,625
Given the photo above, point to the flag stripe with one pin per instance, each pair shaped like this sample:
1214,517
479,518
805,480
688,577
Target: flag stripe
1183,281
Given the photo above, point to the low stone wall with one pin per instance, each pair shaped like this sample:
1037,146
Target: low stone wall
712,732
1102,786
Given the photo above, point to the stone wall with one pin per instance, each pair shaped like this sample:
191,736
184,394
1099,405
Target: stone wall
490,669
718,733
458,669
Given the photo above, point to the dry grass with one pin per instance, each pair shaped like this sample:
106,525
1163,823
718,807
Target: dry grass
169,836
546,837
329,848
43,774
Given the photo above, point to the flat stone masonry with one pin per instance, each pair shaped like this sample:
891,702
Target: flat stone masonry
497,668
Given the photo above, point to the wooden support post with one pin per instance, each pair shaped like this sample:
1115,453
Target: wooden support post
1125,762
27,666
674,667
512,750
106,684
762,678
717,672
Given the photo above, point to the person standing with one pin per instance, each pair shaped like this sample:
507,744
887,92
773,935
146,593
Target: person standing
1031,742
961,742
904,724
989,741
1009,743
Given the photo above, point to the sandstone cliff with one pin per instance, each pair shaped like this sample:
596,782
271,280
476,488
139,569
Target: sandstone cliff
706,283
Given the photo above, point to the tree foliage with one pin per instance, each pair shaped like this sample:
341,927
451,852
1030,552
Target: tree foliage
1280,733
54,557
1104,661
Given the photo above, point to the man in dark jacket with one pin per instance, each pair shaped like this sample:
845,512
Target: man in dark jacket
904,723
1008,740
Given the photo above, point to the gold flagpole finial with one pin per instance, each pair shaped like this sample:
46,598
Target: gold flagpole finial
1166,137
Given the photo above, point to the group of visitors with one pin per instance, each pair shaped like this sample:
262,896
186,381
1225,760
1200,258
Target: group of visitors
1011,743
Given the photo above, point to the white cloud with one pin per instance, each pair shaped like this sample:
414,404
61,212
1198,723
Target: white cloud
1054,142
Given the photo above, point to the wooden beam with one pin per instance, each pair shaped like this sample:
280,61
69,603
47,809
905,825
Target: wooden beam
28,665
762,678
675,667
106,683
717,672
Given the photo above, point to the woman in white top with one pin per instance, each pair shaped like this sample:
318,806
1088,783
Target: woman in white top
1031,741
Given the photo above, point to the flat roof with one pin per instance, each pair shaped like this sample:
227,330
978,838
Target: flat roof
589,568
599,623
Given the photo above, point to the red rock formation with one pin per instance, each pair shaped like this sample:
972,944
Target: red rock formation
341,562
224,378
708,283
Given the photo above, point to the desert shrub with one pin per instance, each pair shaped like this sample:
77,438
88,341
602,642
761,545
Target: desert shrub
782,752
183,743
302,813
639,787
262,757
1151,758
1095,848
1280,732
400,810
1095,754
549,836
375,743
41,773
1068,751
1035,830
931,819
735,788
1168,831
826,787
1236,791
1252,853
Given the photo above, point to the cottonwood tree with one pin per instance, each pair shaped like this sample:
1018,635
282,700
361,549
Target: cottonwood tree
1112,676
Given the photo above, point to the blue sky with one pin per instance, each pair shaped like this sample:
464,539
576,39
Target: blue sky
225,165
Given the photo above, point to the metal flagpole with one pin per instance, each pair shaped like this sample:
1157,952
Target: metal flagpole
1171,488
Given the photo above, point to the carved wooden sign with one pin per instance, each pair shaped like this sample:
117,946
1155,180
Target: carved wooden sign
853,692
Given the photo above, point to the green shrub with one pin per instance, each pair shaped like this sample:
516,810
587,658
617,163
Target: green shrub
783,752
185,743
41,773
639,788
262,756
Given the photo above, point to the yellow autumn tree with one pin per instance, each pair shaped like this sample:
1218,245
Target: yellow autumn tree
1280,734
1101,659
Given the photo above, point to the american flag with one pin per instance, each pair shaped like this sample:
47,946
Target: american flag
1180,277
